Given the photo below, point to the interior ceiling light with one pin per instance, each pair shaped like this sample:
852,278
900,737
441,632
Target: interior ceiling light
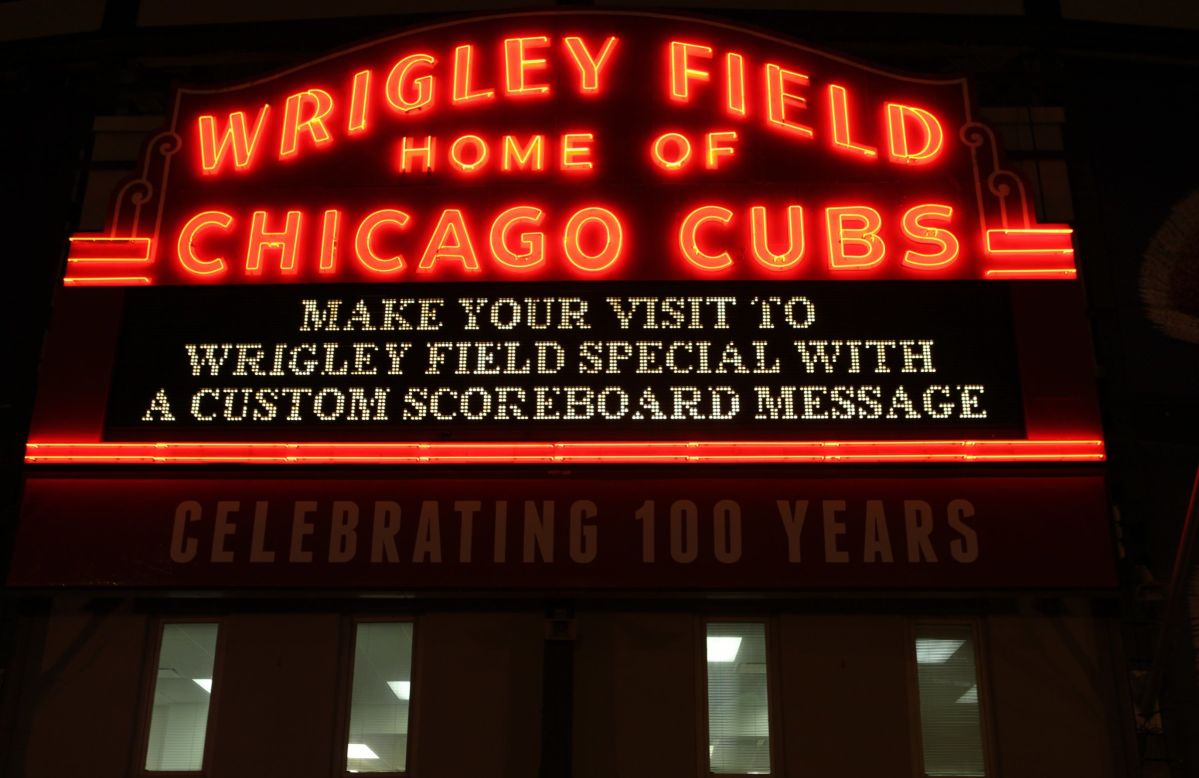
360,751
203,683
970,696
401,689
723,649
936,651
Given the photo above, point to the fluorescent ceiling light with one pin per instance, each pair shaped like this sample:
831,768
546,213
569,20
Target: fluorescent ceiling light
203,683
723,649
936,651
401,689
360,751
971,695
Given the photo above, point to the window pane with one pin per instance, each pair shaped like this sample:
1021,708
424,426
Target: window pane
182,690
949,714
379,705
738,720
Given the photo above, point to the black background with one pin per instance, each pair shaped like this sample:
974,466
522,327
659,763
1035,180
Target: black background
969,322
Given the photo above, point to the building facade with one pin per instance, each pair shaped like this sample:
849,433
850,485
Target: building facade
590,392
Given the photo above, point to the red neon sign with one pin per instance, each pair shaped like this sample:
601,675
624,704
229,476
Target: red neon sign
653,119
575,147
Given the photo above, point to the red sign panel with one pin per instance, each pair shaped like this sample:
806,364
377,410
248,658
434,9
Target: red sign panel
582,238
571,237
615,532
573,146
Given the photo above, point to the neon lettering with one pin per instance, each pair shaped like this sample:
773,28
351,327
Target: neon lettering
681,72
359,92
330,228
464,91
450,240
409,152
610,247
854,226
185,248
689,237
305,112
838,97
670,151
234,140
778,98
714,147
589,65
398,83
900,118
285,241
479,154
364,236
517,65
576,150
531,156
531,243
915,224
760,242
734,74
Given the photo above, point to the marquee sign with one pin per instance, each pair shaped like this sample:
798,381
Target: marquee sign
571,237
573,146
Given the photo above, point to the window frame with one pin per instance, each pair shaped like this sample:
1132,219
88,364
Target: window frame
981,680
146,703
345,703
773,711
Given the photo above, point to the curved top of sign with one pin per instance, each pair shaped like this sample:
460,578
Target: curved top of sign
573,145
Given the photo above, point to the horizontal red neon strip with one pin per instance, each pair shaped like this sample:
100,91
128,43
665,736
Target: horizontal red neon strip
106,261
1032,272
1045,240
593,452
107,281
93,248
1042,253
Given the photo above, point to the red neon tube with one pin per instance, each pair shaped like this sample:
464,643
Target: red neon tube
590,452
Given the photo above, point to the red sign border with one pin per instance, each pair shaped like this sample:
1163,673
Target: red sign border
113,258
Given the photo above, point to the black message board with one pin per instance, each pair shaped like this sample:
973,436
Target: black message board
567,361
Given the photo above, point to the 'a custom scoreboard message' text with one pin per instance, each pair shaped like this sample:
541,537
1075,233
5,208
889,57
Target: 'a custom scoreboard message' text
552,361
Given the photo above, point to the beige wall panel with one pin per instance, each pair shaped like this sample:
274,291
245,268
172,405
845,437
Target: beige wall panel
635,695
1052,692
102,186
39,18
845,682
276,706
90,682
120,138
172,12
1182,14
167,12
477,695
117,139
991,7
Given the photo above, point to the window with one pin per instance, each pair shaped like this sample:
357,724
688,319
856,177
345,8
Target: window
1031,137
380,696
738,710
950,716
182,691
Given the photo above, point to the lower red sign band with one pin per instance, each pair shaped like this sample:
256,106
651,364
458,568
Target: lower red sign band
862,451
